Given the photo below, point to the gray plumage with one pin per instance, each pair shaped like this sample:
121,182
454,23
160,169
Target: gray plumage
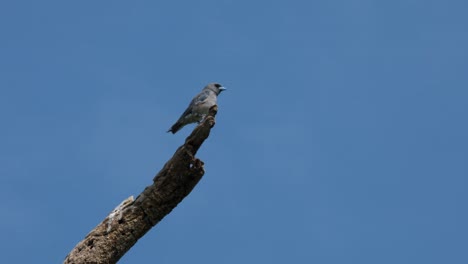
199,106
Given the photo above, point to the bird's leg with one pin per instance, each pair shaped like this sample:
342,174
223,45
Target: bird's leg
202,118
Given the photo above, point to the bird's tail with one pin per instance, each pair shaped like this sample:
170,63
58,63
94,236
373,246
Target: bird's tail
176,127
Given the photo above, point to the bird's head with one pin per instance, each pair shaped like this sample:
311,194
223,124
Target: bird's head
215,87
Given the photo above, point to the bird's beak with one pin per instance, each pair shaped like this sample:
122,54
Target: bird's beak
222,88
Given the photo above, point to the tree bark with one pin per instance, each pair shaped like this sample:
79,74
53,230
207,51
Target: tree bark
129,221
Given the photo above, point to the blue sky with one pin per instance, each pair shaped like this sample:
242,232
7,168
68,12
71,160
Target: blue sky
342,137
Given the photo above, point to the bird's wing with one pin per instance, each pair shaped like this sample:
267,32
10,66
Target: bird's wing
200,98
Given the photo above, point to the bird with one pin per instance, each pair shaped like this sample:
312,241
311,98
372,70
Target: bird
198,107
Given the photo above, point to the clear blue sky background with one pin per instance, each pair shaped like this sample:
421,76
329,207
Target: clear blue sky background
342,137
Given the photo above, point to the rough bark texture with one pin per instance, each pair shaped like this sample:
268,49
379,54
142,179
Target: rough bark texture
129,221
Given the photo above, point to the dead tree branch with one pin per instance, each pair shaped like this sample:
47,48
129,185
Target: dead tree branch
129,221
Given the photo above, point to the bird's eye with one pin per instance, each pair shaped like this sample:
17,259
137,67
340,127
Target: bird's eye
217,85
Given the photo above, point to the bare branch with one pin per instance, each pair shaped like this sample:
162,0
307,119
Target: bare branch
130,220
